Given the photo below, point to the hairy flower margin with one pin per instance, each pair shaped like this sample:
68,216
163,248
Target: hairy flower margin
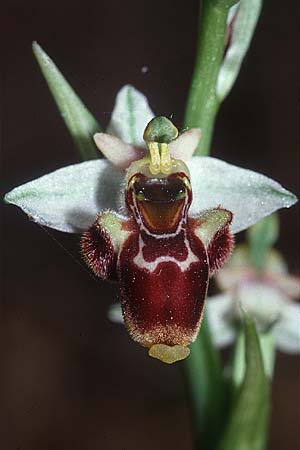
71,198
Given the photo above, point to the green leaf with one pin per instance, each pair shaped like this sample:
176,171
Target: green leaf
243,29
79,121
266,341
247,425
261,237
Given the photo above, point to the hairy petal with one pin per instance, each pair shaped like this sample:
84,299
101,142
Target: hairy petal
101,243
130,116
250,196
212,227
98,251
220,249
70,198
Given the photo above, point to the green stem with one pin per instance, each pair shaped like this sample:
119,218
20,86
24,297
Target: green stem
203,103
203,374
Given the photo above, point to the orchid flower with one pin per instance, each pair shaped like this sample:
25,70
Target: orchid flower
267,295
154,218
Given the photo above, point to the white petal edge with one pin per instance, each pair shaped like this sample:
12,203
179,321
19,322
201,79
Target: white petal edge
218,310
130,116
116,151
184,146
287,331
69,199
249,195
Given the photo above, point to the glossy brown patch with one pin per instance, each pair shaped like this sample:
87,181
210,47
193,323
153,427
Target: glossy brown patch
163,190
160,201
160,217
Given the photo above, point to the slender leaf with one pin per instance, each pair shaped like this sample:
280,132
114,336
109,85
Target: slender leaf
248,420
79,121
266,341
244,24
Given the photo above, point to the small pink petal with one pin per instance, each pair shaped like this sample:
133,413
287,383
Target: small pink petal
184,146
116,151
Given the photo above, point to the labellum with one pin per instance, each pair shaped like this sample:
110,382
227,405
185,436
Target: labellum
161,257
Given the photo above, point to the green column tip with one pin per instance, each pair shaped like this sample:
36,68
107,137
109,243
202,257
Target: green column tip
161,130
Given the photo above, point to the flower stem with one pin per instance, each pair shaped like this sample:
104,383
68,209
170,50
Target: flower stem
203,103
203,375
203,372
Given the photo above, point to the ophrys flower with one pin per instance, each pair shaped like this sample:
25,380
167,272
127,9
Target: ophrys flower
156,219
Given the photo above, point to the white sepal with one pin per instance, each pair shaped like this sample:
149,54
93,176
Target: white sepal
250,196
69,199
130,116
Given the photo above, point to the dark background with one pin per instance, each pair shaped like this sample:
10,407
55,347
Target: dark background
69,378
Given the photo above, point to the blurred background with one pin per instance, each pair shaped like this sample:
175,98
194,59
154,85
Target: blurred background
69,378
